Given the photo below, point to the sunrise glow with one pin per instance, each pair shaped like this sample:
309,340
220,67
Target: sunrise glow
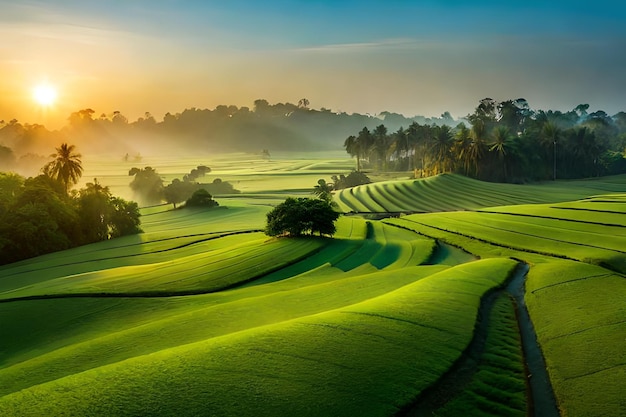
45,94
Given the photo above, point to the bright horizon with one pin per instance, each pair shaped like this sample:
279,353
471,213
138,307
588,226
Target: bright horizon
351,56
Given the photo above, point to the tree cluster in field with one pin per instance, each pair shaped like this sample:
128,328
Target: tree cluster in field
38,215
276,127
324,189
201,198
353,179
301,216
506,141
148,187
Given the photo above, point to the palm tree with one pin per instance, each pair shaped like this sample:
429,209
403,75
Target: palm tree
419,137
323,190
585,150
501,143
441,148
400,145
352,147
364,142
380,146
477,146
461,146
95,188
66,167
550,134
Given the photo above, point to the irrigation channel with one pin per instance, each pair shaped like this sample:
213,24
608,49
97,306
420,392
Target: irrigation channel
541,400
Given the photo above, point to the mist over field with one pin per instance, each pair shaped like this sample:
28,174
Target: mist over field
278,127
290,208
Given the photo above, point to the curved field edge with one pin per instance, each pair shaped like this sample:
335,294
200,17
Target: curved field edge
91,332
449,192
199,273
579,313
227,261
567,236
498,386
323,364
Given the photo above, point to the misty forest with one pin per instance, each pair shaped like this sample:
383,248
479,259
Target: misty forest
503,141
284,260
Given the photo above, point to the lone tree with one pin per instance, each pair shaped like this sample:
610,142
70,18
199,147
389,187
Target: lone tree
301,216
66,167
147,185
201,198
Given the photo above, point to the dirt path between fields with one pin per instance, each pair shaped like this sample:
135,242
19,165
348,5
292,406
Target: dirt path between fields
541,401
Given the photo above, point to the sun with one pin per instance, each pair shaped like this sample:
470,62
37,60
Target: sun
45,94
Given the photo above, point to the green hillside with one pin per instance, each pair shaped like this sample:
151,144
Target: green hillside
204,314
451,192
576,287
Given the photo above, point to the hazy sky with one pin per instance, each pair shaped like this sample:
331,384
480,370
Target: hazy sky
411,57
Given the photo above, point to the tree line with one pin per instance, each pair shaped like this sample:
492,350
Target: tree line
264,126
505,141
42,214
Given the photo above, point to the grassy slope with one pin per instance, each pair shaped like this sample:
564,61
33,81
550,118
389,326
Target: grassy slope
193,337
208,271
287,367
85,329
577,308
498,387
210,261
450,192
579,313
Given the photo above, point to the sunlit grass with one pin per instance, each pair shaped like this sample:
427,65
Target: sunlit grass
448,192
499,384
422,328
579,312
359,320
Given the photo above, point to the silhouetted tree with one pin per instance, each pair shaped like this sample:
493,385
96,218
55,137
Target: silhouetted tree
351,180
353,148
147,185
501,145
66,167
201,198
441,149
550,135
323,190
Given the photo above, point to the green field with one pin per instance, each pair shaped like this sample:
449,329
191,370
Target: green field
202,314
449,192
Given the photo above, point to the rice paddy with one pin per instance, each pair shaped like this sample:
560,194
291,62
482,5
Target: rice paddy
202,314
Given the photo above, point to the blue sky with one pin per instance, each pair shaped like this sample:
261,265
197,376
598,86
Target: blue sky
412,57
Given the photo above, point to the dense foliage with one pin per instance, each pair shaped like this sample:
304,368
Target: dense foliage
506,141
147,185
201,198
351,180
38,216
323,190
148,188
300,216
262,128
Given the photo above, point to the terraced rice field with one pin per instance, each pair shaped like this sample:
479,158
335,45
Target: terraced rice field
449,192
576,288
365,291
202,314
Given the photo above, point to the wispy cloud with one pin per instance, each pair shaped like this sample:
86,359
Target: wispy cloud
385,44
